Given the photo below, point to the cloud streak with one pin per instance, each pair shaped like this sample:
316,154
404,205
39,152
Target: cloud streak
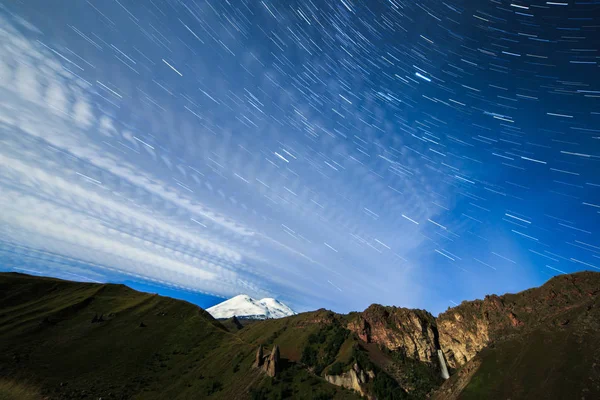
73,179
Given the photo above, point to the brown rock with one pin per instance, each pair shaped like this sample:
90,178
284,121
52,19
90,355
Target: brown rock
514,320
272,365
399,329
258,362
354,379
466,329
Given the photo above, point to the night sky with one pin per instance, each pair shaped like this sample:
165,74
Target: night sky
326,153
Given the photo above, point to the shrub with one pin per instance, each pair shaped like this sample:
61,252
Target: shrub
360,358
323,347
386,388
309,355
336,369
214,387
259,394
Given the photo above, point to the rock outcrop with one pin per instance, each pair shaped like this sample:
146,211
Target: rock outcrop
399,329
271,363
354,379
463,331
466,329
259,360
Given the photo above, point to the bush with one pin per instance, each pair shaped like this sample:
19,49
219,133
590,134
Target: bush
309,355
386,388
259,394
360,358
323,395
336,369
214,387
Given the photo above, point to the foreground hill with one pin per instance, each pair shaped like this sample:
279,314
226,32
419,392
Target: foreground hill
66,340
72,340
542,343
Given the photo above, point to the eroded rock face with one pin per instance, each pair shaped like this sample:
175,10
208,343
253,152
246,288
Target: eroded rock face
460,342
466,329
271,363
259,360
399,329
463,331
354,379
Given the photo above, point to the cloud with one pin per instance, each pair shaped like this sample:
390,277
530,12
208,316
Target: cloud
119,184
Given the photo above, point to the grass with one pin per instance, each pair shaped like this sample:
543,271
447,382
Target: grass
54,345
551,362
146,347
10,390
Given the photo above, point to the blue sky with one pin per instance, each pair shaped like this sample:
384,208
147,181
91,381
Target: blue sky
326,153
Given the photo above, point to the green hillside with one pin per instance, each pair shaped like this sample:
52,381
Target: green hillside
558,359
70,340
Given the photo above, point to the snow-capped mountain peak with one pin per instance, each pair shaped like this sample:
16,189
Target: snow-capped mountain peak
246,307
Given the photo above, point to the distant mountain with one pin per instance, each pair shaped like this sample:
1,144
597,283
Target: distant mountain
244,306
64,340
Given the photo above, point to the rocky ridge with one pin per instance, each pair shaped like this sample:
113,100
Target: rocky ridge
462,331
468,328
398,329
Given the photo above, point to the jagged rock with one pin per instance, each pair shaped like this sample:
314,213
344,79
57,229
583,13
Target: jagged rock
272,365
466,329
514,320
460,341
354,379
258,362
399,329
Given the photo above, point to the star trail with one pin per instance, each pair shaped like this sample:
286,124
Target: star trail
327,153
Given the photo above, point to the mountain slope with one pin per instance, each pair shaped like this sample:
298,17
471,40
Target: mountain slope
68,340
558,358
468,328
84,340
246,307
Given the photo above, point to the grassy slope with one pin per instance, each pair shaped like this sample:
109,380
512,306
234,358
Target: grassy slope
291,334
562,361
559,359
49,345
10,390
47,338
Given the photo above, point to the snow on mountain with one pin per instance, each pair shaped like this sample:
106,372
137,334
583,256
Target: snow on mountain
246,307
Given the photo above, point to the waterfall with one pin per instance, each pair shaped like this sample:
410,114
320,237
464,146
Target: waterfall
445,373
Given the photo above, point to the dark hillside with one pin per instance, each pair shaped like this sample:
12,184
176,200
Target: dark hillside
71,340
82,340
559,358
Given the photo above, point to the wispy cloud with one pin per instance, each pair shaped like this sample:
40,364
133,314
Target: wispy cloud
83,178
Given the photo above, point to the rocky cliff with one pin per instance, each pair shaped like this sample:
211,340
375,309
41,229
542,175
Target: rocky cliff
462,331
354,379
540,343
413,332
468,328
